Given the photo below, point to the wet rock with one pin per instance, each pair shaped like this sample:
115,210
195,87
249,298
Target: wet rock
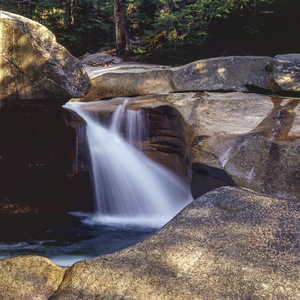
164,137
29,277
34,67
228,244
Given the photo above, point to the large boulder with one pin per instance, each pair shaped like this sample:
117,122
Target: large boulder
233,73
38,138
34,66
228,244
29,277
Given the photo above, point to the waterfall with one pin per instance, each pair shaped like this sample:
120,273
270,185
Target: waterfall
129,188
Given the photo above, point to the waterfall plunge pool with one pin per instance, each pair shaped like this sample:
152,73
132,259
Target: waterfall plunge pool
65,239
134,197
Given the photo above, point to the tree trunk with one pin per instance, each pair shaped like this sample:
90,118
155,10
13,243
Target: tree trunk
122,34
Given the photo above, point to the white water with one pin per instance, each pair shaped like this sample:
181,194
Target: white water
129,188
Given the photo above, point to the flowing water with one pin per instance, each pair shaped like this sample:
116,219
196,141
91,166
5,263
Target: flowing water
129,188
134,196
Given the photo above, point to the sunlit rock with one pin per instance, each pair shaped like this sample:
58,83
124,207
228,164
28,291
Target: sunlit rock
29,277
216,74
127,80
233,73
228,244
259,74
34,67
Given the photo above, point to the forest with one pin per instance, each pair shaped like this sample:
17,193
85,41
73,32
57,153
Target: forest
168,31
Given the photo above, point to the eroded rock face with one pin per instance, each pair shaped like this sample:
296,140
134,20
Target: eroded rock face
228,244
33,66
29,277
254,138
164,140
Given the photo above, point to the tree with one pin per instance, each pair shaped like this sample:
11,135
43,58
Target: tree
181,28
121,25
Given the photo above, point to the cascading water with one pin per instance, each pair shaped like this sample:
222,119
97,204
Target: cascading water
129,187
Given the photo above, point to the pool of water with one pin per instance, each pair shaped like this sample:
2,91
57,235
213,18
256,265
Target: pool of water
64,239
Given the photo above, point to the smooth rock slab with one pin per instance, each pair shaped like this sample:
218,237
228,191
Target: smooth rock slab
127,80
232,73
228,244
29,277
33,66
235,73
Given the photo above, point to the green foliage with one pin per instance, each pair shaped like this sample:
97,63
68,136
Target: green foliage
170,30
182,26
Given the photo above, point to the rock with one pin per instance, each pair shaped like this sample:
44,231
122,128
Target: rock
254,138
29,277
128,79
285,74
34,67
228,244
216,74
100,60
261,74
233,73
